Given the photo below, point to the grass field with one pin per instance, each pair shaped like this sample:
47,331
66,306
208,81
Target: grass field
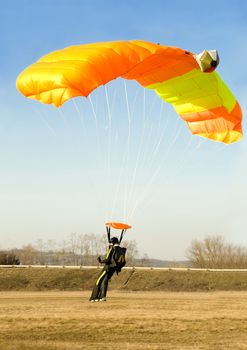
128,320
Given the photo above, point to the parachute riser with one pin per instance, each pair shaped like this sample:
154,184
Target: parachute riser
108,230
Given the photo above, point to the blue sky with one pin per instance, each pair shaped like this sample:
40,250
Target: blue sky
60,174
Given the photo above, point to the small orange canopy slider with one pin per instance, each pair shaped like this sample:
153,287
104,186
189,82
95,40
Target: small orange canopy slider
118,225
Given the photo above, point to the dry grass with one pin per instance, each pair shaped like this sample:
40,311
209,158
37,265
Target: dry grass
150,320
44,279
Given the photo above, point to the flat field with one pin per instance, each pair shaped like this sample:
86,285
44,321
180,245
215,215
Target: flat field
128,320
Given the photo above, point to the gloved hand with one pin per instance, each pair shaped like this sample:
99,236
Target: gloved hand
99,259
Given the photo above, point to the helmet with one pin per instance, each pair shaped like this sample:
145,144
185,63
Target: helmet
114,240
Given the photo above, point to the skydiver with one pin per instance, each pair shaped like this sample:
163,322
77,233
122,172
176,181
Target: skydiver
100,288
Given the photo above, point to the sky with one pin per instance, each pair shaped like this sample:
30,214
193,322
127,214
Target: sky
71,169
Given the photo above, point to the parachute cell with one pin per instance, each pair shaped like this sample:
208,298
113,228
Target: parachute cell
179,77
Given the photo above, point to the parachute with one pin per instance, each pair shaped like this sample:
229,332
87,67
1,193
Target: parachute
118,226
187,81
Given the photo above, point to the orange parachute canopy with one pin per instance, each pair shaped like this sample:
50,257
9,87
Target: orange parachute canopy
118,225
179,77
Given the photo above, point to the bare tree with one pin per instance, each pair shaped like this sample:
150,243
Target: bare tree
214,252
132,252
73,244
62,251
28,255
81,247
144,260
40,247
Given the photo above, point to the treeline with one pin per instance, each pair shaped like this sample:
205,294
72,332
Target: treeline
215,252
77,250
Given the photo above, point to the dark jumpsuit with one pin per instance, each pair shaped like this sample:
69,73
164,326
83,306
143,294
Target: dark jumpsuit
101,285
